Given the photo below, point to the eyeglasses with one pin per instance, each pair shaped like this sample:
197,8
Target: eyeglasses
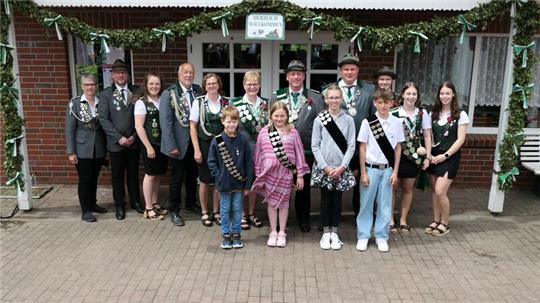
333,98
89,84
212,83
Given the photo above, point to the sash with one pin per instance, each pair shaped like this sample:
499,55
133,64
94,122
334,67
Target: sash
333,129
277,146
228,160
382,140
180,111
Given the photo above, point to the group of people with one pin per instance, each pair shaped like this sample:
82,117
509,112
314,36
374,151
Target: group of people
355,135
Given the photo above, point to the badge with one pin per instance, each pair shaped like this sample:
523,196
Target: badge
154,123
294,116
118,108
243,120
155,133
352,111
421,151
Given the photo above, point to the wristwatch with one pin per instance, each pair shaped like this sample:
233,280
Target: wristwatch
446,155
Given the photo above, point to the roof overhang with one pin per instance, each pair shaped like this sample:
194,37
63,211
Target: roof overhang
458,5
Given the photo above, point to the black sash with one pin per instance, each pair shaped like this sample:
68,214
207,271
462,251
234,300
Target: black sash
333,130
277,146
228,160
382,140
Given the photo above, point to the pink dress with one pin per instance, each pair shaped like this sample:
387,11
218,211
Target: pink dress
273,180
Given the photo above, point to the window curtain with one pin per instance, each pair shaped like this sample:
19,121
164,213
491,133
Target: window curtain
489,83
446,60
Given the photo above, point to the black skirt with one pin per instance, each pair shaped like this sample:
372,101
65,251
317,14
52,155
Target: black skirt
407,168
450,165
156,166
204,171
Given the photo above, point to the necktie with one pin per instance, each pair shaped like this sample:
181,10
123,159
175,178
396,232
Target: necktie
190,94
123,92
295,98
349,92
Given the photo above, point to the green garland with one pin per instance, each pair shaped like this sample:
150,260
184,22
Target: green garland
527,22
13,123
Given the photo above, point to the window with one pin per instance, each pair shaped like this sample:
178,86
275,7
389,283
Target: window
84,59
475,67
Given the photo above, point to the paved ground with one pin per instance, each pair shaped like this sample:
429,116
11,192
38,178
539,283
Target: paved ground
49,255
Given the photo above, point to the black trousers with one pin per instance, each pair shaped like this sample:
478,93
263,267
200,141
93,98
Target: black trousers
125,162
355,165
183,171
302,201
88,171
330,207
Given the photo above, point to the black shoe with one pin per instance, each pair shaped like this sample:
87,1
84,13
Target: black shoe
176,219
98,209
305,227
120,213
194,209
88,216
137,207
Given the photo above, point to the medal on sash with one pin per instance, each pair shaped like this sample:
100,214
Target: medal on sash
279,150
228,160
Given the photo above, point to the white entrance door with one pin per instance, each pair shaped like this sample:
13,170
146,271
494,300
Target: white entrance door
231,57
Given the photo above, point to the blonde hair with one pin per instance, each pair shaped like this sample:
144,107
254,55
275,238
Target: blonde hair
231,112
252,75
277,106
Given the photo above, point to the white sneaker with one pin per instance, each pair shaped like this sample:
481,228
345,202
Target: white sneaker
335,242
361,245
325,241
382,245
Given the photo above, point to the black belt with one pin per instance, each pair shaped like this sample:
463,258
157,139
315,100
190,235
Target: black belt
378,166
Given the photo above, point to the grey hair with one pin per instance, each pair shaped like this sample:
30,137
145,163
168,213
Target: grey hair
88,76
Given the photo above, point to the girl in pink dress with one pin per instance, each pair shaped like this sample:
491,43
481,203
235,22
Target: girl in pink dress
279,159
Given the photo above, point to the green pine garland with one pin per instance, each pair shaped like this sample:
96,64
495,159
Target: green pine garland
13,124
527,22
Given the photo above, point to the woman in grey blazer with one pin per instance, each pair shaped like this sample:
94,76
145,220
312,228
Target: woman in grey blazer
86,145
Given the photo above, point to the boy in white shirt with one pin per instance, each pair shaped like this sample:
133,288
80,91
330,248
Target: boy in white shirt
379,162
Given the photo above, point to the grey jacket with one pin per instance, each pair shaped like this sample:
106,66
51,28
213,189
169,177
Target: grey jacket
117,119
174,135
82,137
325,149
306,116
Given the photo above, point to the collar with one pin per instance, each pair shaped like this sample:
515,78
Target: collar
184,89
83,99
118,88
342,83
383,121
210,101
403,113
301,91
257,103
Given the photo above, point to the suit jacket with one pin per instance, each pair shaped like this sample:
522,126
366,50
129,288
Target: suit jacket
116,118
306,116
364,102
83,137
174,135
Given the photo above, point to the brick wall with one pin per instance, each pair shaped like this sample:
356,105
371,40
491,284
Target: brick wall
45,83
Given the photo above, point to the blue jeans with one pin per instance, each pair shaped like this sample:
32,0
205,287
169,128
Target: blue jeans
230,207
379,186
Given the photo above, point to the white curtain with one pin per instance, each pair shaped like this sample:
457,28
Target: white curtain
489,83
445,61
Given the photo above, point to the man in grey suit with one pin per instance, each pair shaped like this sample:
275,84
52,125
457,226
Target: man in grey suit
174,109
304,104
357,102
116,117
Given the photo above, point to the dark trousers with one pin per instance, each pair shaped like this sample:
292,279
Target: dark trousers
355,165
183,171
125,162
330,207
302,201
88,170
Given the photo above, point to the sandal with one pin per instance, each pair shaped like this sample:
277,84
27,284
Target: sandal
431,227
404,228
217,218
438,232
393,228
152,214
205,219
255,221
159,210
244,224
